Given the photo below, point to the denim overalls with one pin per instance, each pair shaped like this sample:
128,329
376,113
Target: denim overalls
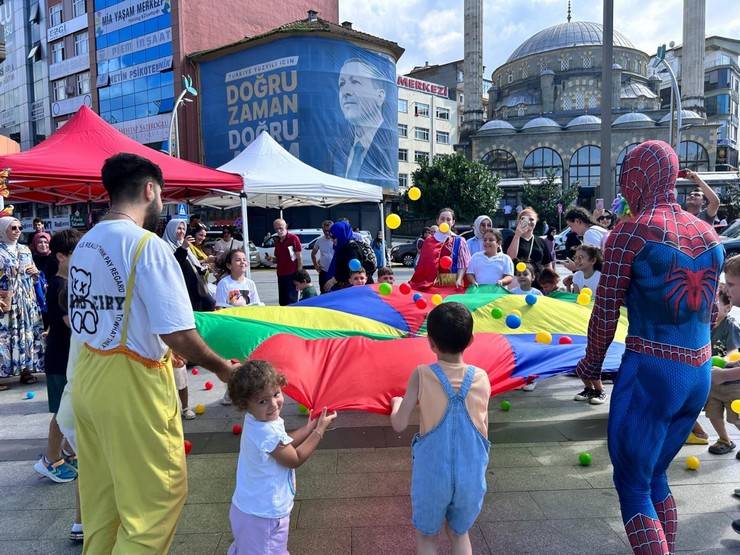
448,475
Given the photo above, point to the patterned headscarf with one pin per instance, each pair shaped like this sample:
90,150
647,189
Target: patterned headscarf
648,176
4,225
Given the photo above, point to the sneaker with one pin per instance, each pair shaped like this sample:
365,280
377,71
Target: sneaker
188,414
530,386
584,395
59,471
70,459
76,534
722,447
598,397
226,400
694,439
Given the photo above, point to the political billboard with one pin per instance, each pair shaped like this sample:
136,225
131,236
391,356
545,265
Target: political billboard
331,103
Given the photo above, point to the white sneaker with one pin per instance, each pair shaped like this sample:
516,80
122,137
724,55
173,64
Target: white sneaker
598,398
530,386
226,400
188,414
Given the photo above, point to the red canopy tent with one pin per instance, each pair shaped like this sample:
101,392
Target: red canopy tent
65,168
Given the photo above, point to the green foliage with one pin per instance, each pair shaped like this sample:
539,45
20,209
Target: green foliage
730,200
466,186
545,196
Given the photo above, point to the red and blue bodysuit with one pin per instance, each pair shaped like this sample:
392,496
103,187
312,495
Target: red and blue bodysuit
664,266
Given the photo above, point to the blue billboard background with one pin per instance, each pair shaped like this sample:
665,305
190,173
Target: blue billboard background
331,103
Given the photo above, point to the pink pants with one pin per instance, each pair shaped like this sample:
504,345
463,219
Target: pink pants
254,535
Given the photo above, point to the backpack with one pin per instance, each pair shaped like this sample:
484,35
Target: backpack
366,256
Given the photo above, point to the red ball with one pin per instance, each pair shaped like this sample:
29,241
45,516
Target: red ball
565,340
445,262
208,386
188,446
404,288
195,371
421,303
236,429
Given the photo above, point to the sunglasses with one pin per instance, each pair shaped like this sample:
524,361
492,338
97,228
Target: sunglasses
604,218
15,228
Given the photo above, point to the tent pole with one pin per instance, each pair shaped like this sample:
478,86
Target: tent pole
382,229
245,231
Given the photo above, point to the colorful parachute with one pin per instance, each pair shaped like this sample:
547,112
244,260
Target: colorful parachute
354,349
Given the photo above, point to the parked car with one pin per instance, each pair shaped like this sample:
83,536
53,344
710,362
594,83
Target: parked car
730,238
404,254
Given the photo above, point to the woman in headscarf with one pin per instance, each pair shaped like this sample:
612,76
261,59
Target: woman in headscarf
47,266
345,249
21,328
480,226
192,271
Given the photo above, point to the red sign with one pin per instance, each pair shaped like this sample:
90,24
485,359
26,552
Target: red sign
424,86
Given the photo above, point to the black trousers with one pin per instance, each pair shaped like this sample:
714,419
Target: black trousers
287,293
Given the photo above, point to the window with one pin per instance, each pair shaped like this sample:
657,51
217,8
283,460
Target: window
421,109
542,161
580,100
55,15
693,156
588,61
34,18
525,71
403,179
521,110
403,105
585,166
83,83
403,130
510,77
565,63
60,89
719,104
500,162
78,7
81,44
57,52
443,137
421,133
566,103
443,113
420,156
35,52
403,155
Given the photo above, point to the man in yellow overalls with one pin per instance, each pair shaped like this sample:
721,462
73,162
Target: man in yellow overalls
129,306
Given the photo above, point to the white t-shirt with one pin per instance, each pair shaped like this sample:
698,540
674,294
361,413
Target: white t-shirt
230,292
326,252
264,487
489,270
595,236
520,291
98,273
592,283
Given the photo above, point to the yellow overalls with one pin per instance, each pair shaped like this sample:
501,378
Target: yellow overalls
133,476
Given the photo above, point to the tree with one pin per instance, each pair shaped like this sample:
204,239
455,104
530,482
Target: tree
466,186
545,195
730,200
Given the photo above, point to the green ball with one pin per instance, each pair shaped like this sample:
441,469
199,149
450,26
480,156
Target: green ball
497,313
385,289
719,362
302,409
505,406
585,458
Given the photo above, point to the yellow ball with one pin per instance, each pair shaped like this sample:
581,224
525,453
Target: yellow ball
393,221
583,299
521,266
444,227
200,409
517,312
543,337
733,357
436,299
735,406
414,193
586,291
692,462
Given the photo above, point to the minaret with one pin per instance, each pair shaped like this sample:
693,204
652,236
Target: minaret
692,56
473,116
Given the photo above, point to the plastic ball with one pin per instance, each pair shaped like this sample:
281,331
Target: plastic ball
445,262
543,337
692,462
497,313
513,321
417,296
505,406
188,446
385,289
521,266
421,303
444,227
414,193
355,265
733,357
303,409
200,409
194,371
393,221
208,386
531,299
236,429
404,288
30,395
719,362
583,300
585,458
565,340
735,406
517,312
587,291
436,299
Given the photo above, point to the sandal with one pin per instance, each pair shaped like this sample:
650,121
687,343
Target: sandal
722,447
28,379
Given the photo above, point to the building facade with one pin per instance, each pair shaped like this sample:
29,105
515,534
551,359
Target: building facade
427,125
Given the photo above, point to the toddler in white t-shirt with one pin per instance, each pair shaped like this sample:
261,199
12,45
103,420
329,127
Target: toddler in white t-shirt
489,266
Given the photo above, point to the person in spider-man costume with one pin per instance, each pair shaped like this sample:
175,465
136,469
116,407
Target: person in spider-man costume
664,266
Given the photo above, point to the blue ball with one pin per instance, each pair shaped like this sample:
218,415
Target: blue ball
531,299
417,296
355,265
513,321
30,395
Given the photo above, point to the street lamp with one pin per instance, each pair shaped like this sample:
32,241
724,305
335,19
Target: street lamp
675,97
174,136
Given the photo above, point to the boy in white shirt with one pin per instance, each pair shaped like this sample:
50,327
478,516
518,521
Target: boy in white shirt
489,266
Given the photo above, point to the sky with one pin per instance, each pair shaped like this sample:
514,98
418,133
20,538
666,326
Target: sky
432,30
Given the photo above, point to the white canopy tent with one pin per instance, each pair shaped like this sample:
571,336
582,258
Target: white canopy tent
274,178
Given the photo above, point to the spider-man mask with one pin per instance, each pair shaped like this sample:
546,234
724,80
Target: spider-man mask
648,176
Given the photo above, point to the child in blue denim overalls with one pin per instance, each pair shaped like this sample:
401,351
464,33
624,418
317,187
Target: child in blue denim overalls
450,452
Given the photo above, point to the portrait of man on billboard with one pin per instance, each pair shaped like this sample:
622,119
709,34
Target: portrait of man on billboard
362,99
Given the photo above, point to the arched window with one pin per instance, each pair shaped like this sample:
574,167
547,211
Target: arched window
585,166
500,162
693,156
542,161
620,160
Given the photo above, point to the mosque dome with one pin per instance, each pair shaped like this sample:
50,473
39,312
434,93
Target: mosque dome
538,123
584,121
497,126
686,116
634,119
